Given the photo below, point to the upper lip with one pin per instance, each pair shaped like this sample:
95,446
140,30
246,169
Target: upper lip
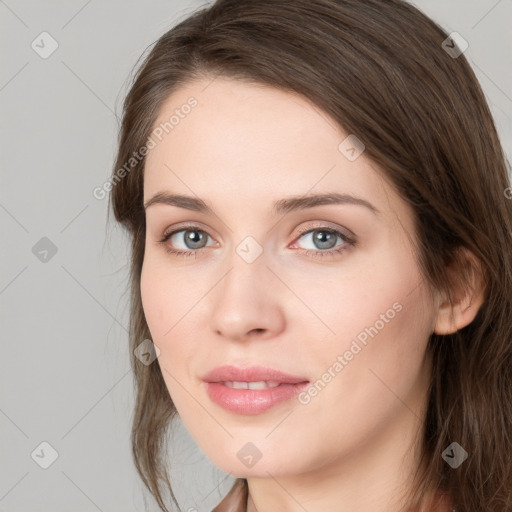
229,373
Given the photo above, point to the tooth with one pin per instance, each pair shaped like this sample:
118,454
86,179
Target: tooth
251,385
257,385
240,385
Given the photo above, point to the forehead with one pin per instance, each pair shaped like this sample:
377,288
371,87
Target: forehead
251,145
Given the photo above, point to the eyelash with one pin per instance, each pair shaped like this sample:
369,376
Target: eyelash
349,242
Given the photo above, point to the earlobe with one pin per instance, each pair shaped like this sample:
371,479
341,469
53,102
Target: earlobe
468,290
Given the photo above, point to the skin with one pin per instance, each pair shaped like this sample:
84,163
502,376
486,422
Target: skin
244,146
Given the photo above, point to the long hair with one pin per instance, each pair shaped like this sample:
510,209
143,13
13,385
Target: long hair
382,70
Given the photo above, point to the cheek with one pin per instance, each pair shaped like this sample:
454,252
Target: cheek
165,296
162,302
155,302
381,324
168,298
377,294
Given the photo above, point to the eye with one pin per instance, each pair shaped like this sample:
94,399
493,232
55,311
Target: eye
192,237
324,239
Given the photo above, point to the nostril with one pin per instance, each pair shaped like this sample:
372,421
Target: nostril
254,332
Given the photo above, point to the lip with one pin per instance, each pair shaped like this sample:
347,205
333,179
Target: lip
251,401
228,373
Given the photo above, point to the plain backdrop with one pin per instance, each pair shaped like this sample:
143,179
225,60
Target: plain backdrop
66,384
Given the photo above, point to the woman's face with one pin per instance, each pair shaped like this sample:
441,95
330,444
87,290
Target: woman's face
261,286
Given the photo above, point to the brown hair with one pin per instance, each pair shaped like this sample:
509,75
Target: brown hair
378,67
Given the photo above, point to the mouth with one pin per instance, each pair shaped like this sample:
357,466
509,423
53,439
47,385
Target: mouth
251,390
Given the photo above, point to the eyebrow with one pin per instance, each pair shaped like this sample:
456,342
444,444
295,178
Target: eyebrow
285,205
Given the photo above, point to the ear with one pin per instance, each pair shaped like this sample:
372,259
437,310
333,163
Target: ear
468,290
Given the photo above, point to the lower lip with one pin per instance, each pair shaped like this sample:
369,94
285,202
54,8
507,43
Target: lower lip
251,401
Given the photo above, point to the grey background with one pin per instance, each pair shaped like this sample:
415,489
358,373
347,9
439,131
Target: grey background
65,374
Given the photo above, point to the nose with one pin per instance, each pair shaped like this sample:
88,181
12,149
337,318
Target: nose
247,303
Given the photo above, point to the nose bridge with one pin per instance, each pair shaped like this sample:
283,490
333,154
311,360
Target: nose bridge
247,277
247,262
245,299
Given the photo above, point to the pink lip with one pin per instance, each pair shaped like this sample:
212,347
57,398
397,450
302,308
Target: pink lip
251,401
229,373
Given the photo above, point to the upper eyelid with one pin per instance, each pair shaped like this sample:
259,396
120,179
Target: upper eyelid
301,230
197,226
325,227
